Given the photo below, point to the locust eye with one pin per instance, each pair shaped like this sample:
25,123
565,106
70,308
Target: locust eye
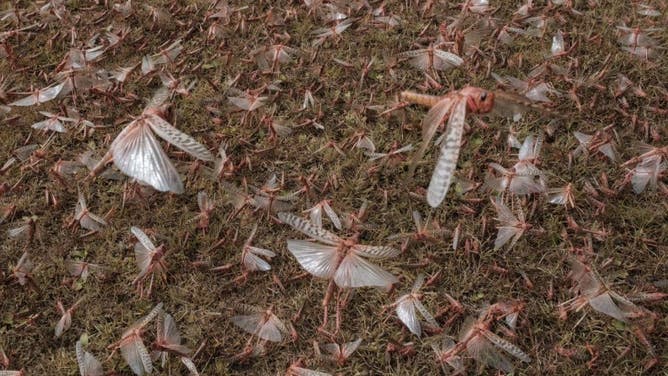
483,96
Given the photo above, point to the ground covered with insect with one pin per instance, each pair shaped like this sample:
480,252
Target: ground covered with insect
333,187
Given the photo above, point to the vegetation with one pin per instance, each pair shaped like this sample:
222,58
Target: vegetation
355,78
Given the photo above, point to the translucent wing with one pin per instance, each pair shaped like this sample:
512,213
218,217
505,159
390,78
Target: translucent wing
372,251
447,161
419,58
647,171
317,259
349,348
455,361
249,323
332,348
143,257
272,330
444,60
256,324
316,216
504,235
43,95
354,271
530,147
430,124
92,222
144,320
308,228
170,334
11,373
137,153
504,215
276,205
604,304
427,316
177,138
507,346
586,280
63,324
609,151
299,371
135,354
141,236
50,124
524,185
417,219
253,262
406,313
511,105
74,267
483,351
88,364
332,215
190,366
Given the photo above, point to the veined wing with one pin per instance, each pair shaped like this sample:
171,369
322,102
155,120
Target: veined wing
317,259
513,105
253,262
92,222
135,354
604,304
354,271
308,228
144,320
418,58
299,371
444,60
372,251
483,351
137,153
430,124
249,323
530,148
425,314
41,96
272,330
507,346
190,365
407,314
88,364
332,215
647,171
504,235
587,281
177,138
141,236
349,348
64,323
447,161
169,333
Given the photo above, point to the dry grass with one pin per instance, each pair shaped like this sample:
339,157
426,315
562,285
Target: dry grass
202,301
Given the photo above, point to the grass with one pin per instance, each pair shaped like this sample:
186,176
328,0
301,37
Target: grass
202,301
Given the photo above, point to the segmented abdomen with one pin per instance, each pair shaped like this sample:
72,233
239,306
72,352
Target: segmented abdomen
421,99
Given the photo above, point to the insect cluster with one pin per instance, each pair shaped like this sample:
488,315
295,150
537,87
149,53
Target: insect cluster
161,159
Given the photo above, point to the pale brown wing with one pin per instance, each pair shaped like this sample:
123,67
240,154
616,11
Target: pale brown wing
447,161
430,124
509,104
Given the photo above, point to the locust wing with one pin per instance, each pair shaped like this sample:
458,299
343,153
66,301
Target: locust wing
447,161
430,124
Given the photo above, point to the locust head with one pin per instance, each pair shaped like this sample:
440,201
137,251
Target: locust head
478,101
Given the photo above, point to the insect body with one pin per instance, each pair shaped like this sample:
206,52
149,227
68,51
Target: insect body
453,106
